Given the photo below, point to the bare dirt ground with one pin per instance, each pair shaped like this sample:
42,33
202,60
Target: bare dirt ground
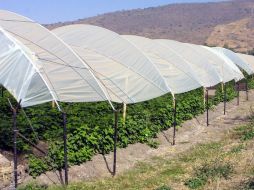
190,134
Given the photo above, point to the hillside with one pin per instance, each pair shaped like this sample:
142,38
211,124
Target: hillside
183,22
238,35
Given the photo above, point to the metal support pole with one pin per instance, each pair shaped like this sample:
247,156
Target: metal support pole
15,159
207,108
247,90
174,123
204,93
238,94
65,148
15,134
225,98
115,140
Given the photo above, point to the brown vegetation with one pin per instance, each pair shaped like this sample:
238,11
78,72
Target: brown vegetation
236,35
183,22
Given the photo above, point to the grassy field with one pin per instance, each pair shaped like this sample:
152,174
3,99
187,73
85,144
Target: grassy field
227,164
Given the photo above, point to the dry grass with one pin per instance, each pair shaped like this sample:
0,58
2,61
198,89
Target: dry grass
233,156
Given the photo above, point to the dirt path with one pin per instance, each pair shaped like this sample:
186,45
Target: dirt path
190,134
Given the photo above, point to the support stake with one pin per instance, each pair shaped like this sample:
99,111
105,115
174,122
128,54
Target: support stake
15,159
65,148
174,123
115,140
2,91
207,108
225,98
15,134
53,104
238,94
247,90
124,112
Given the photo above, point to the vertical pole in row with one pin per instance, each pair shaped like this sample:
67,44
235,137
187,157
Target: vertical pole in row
53,104
15,158
124,112
115,140
247,90
204,93
207,107
2,91
15,134
238,94
225,98
174,122
65,148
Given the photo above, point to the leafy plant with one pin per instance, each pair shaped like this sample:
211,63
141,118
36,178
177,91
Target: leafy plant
237,149
209,170
153,144
36,166
33,186
164,187
90,125
245,132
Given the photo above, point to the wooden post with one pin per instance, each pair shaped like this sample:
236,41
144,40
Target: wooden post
204,92
2,91
124,112
53,104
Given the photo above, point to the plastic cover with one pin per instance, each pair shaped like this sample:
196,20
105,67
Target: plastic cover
209,67
207,74
177,72
225,69
237,59
122,68
65,76
228,68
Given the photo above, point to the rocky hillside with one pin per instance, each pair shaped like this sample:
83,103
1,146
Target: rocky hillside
238,35
183,22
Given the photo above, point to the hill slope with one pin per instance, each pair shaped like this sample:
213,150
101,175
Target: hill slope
238,35
183,22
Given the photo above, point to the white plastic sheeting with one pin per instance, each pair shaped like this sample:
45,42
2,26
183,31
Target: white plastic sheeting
234,70
221,70
18,74
236,59
178,74
121,67
206,74
38,67
249,59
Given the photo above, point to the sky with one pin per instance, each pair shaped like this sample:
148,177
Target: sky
51,11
